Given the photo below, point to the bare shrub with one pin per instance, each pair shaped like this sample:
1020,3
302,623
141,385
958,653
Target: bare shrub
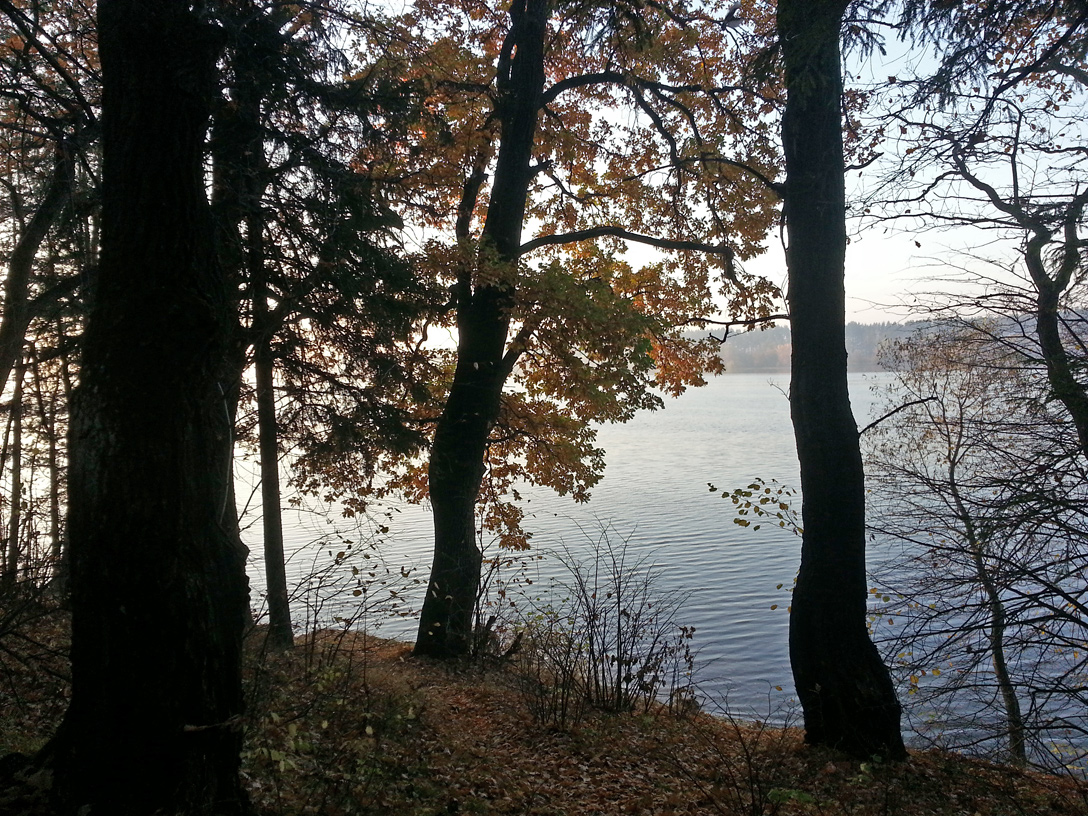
606,635
750,761
550,666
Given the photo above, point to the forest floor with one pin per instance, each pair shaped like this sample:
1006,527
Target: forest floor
348,724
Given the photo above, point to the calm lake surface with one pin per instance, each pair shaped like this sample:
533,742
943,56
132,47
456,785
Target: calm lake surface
655,496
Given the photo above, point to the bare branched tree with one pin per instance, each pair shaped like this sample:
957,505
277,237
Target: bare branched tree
981,482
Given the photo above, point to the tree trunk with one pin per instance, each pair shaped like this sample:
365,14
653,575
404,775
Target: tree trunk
239,178
17,312
1014,718
47,416
158,590
280,633
11,558
1048,291
456,466
976,541
455,474
231,378
253,171
58,483
845,689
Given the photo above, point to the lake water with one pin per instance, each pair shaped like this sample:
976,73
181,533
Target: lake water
655,496
734,581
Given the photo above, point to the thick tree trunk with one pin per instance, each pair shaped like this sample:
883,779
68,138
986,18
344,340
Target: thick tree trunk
844,687
158,590
455,473
456,466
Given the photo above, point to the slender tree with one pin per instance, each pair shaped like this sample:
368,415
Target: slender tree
978,472
158,589
11,558
48,98
242,175
931,474
325,307
49,407
48,128
844,687
19,306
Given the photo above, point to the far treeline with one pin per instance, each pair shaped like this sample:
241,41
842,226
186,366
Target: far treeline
769,350
238,227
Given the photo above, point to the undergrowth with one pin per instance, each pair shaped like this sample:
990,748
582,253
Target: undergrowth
329,732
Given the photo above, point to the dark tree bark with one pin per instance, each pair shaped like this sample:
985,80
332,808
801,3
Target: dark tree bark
280,633
158,590
11,559
456,465
1050,286
228,146
845,689
47,416
241,174
18,308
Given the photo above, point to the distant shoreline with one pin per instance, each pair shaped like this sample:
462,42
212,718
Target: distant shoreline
785,372
768,351
850,369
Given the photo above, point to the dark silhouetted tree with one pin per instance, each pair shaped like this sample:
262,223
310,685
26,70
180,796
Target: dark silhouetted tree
158,589
844,688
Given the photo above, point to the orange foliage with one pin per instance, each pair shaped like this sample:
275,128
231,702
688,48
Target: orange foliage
653,122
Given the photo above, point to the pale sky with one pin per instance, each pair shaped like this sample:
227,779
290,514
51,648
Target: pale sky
885,270
881,272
